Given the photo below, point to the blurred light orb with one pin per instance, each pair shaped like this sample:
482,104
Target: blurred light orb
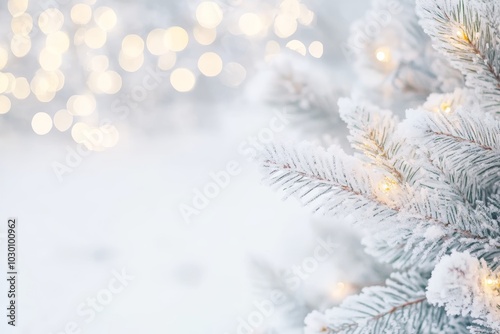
4,58
95,38
5,104
290,7
22,24
167,61
155,42
21,89
81,105
250,24
316,49
132,46
109,82
111,136
183,80
176,39
63,120
12,82
49,60
306,16
20,45
105,18
57,42
4,82
99,63
272,49
285,25
209,14
79,132
383,54
204,36
210,64
41,123
81,13
51,20
233,74
17,7
44,84
297,46
130,64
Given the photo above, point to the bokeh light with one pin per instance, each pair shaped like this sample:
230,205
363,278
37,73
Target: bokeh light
63,120
105,18
81,105
316,49
130,64
167,61
49,60
21,89
20,45
250,24
210,64
204,36
182,79
50,20
17,7
22,24
41,123
5,104
209,14
297,46
155,42
81,13
108,82
4,58
4,82
99,63
176,39
285,25
95,38
132,46
57,42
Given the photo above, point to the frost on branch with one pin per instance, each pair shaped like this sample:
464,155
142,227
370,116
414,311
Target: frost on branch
398,307
465,32
465,286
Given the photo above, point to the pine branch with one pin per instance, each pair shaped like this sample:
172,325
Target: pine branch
458,31
398,307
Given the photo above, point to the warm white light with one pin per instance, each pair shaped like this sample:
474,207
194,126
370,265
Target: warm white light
285,25
105,18
132,46
20,45
4,58
290,7
81,13
176,39
81,105
209,14
99,63
297,46
383,55
51,20
63,120
167,61
4,82
49,60
182,79
156,43
57,42
445,107
79,132
131,64
95,38
12,82
210,64
22,24
250,24
5,104
21,88
44,84
316,49
306,16
204,36
233,74
17,7
41,123
109,82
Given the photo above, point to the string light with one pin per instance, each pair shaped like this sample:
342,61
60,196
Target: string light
383,54
462,34
445,107
387,184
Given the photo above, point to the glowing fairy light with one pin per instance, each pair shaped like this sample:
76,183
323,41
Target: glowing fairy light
316,49
17,7
155,42
81,13
41,123
461,34
383,55
105,18
306,16
63,120
51,20
5,104
4,82
285,25
250,24
183,80
130,64
176,39
21,88
297,46
4,58
81,105
387,185
95,38
20,45
167,61
49,60
132,46
209,14
204,36
210,64
445,107
57,42
22,24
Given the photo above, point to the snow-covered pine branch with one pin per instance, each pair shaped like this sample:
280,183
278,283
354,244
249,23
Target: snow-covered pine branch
398,307
461,31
